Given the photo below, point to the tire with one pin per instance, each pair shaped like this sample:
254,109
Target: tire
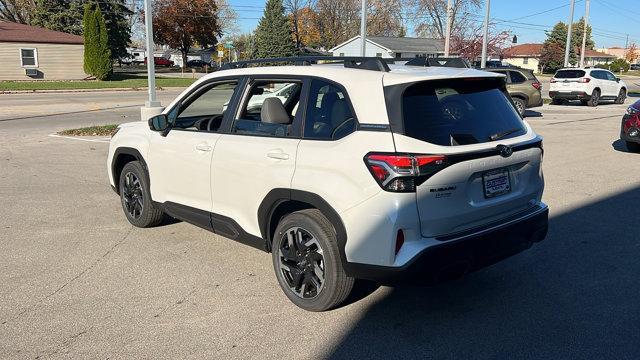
136,198
520,104
622,96
595,98
633,146
307,263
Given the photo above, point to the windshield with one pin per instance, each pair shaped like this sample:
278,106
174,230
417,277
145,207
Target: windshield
569,74
459,112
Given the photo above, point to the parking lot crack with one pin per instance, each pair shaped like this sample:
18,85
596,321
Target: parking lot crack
179,302
72,280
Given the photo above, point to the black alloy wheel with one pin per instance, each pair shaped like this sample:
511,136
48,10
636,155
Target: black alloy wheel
301,262
132,195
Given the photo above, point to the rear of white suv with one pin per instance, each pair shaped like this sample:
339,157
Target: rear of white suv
590,86
356,174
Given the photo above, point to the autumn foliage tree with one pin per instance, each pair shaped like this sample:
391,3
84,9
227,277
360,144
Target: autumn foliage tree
305,32
181,24
631,54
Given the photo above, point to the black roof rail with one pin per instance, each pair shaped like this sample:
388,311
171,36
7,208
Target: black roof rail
455,62
355,62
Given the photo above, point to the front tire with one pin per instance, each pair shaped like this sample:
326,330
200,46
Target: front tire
306,260
136,197
595,98
622,96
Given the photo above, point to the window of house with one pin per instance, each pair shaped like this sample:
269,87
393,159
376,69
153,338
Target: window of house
204,109
269,109
328,114
525,60
29,57
341,54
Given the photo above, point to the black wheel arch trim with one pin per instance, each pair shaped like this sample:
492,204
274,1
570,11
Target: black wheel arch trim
114,163
277,197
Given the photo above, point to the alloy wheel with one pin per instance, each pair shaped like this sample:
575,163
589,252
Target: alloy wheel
301,262
132,195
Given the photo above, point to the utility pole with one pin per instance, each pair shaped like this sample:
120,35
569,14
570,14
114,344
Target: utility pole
152,106
584,32
568,46
363,27
485,36
447,38
626,47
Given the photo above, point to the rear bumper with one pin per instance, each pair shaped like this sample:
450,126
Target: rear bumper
470,251
573,95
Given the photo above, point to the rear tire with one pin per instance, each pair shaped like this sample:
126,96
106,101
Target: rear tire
622,96
520,105
632,146
307,263
136,197
595,98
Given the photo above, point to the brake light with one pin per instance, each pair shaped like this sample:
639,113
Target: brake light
553,80
403,172
584,80
537,85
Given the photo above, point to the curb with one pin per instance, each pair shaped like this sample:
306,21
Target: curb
87,90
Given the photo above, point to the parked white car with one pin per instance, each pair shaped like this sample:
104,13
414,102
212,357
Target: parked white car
589,85
380,174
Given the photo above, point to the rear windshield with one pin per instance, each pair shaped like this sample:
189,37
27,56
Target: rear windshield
459,112
569,74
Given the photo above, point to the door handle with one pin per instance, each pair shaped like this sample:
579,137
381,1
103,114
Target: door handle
278,155
203,147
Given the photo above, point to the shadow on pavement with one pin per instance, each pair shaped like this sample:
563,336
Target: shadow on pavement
532,113
575,295
619,145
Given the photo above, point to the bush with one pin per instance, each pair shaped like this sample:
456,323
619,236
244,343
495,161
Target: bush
619,64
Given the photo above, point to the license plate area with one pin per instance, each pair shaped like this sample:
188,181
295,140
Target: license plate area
496,182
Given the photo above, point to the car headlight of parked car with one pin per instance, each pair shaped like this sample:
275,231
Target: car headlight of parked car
632,111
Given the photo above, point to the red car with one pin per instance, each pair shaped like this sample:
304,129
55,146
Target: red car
160,61
630,129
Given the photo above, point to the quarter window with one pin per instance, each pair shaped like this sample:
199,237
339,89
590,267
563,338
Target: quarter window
29,57
329,115
204,109
516,77
269,109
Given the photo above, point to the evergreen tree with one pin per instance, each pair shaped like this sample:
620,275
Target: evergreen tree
116,15
551,57
90,39
273,35
103,62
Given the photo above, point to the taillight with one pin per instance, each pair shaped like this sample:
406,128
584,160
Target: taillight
403,172
537,85
553,80
584,80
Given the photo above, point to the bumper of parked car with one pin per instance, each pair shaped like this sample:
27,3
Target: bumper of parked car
535,102
630,128
573,95
466,252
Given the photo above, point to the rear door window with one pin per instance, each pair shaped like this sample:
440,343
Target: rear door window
569,74
516,77
459,112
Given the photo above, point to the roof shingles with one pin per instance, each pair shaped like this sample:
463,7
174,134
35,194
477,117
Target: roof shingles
14,32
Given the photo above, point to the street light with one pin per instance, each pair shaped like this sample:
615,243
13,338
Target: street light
152,106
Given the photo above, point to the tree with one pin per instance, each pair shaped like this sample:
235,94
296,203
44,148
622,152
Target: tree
59,15
294,8
273,35
384,17
181,24
430,16
307,33
337,21
557,39
551,57
97,55
18,11
631,55
116,16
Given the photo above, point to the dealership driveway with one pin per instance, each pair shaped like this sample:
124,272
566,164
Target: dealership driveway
77,281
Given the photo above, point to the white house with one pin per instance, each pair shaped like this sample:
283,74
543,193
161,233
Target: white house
390,47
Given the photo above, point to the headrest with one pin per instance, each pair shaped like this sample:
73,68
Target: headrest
273,112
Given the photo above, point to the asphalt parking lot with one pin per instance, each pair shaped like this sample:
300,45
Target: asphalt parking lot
77,281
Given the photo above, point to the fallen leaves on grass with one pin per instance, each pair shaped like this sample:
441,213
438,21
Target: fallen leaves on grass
103,130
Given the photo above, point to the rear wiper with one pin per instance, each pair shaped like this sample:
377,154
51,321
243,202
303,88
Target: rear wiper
500,135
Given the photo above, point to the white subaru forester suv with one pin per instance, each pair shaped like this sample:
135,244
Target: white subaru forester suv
589,85
362,172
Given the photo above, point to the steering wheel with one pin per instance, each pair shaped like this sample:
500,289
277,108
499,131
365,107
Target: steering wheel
214,123
340,126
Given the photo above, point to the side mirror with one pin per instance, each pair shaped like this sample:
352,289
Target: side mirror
617,79
159,123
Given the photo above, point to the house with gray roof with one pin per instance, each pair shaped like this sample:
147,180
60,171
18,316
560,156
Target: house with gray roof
390,47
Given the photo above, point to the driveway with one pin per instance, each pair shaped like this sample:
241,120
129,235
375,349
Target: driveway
77,281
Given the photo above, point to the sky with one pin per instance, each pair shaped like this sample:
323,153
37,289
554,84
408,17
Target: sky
611,20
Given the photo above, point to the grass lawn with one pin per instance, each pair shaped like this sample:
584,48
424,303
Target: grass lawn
118,81
102,130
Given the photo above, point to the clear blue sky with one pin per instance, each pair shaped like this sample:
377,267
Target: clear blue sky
611,19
